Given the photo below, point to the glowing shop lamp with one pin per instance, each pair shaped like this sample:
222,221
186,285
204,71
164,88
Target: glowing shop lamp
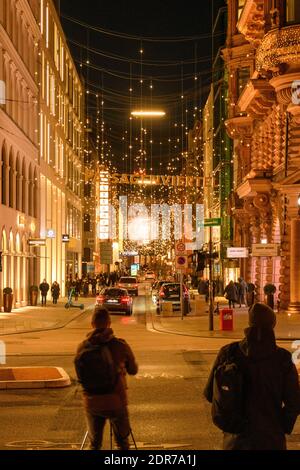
149,113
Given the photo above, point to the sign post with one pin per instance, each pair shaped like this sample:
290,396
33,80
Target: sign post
211,222
181,264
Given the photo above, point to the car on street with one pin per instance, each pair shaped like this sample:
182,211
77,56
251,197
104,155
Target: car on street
155,291
170,293
115,299
129,283
150,276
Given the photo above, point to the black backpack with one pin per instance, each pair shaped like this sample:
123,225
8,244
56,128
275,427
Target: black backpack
228,401
96,370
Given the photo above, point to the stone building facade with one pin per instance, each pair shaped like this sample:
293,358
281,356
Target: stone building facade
262,55
19,151
41,149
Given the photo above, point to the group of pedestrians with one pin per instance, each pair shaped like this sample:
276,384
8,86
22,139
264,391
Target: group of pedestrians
253,385
236,293
88,285
55,291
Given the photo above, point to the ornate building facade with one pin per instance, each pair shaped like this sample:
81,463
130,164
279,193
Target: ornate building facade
41,150
262,55
19,151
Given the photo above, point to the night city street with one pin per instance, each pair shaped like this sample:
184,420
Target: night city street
149,228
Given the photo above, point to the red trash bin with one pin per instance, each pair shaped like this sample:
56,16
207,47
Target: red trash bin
226,319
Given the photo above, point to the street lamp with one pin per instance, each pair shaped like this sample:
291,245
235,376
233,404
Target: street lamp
148,113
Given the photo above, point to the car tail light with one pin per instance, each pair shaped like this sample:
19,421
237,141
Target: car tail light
125,299
100,298
161,294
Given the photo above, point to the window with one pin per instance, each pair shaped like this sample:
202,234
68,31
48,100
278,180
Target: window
87,189
87,223
87,255
292,11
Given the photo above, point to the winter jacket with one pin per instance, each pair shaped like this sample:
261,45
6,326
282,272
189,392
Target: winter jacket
125,361
231,292
272,392
55,290
44,287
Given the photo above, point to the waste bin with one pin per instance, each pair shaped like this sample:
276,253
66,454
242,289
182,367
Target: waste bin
226,319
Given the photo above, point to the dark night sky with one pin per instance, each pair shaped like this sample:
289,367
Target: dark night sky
155,19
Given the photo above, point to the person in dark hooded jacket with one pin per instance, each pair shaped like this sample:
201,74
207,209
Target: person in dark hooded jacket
112,406
272,392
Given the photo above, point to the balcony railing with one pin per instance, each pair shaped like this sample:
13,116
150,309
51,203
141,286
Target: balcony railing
279,46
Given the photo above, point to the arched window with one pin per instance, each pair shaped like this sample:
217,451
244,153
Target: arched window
35,194
30,191
18,184
11,179
23,186
3,175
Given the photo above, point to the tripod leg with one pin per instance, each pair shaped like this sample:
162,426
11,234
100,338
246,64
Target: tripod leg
84,440
133,439
111,435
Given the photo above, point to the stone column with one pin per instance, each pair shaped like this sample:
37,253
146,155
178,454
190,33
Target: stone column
294,305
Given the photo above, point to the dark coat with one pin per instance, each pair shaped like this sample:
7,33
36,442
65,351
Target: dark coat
272,392
55,290
232,293
44,287
124,359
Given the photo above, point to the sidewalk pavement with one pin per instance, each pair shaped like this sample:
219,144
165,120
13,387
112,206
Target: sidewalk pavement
27,319
33,377
196,323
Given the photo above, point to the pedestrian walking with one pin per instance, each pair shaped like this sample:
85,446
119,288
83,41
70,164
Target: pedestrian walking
243,291
231,294
203,288
101,363
251,293
263,406
44,287
55,291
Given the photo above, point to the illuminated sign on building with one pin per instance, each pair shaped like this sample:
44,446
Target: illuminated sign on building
36,241
50,233
103,207
65,238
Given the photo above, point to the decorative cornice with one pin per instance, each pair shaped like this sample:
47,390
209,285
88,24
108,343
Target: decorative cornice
257,98
252,186
283,86
279,46
12,54
239,127
252,21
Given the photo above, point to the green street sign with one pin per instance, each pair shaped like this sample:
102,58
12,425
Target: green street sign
212,222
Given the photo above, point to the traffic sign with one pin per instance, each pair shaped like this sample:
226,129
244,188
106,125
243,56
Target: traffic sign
36,241
212,222
181,262
180,247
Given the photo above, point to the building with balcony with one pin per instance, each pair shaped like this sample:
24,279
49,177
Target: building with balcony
263,59
217,155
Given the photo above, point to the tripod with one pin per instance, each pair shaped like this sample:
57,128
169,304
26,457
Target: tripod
110,435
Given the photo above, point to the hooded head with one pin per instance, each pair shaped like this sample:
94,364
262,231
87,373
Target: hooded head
262,316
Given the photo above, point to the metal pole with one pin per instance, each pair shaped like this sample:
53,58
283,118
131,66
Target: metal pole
181,295
211,300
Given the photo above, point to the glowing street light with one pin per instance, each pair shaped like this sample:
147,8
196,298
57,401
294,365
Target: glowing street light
148,113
